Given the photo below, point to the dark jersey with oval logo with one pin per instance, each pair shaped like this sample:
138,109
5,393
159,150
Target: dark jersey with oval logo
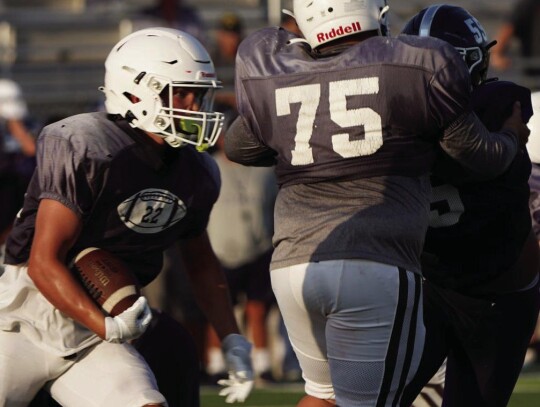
134,199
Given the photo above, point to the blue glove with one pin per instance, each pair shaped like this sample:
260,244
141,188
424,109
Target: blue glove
237,352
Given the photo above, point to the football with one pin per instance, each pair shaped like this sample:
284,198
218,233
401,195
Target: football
107,279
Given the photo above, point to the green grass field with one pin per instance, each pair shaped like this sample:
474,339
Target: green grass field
526,394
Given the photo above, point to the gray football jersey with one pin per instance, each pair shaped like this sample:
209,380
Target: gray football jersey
353,136
133,199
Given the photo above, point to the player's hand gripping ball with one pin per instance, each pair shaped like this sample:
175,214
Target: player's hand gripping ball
107,279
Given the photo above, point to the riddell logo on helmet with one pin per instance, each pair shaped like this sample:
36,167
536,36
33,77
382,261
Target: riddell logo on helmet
338,32
208,74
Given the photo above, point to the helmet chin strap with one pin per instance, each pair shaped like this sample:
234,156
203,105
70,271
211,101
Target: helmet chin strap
173,141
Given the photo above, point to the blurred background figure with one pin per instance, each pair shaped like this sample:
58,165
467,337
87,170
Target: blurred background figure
228,36
17,154
174,14
240,231
523,25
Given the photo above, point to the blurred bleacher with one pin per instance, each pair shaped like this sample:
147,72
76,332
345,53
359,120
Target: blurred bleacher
55,49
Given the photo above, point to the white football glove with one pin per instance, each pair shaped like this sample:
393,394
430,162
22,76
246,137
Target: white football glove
237,351
130,324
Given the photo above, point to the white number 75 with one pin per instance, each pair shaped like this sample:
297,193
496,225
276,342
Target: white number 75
309,97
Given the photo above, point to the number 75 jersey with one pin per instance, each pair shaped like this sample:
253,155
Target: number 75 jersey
375,109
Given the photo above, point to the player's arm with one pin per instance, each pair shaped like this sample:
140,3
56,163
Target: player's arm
209,284
57,228
465,138
243,147
212,295
485,153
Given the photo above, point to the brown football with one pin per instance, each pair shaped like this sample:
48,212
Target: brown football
108,280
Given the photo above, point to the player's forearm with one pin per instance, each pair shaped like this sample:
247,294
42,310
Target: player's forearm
57,229
218,310
212,295
473,146
209,284
65,293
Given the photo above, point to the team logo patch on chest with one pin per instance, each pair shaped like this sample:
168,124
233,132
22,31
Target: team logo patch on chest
151,211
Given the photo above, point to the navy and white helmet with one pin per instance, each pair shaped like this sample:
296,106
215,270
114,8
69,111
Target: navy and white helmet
459,28
150,64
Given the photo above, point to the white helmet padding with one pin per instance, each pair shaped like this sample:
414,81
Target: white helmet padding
150,64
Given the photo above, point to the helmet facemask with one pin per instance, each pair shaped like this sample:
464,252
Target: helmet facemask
477,60
178,126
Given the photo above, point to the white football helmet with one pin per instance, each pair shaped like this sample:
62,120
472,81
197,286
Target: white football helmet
322,21
533,145
151,64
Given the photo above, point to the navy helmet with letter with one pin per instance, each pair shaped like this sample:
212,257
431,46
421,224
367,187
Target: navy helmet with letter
458,27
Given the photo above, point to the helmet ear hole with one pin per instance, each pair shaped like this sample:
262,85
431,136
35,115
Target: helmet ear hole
131,97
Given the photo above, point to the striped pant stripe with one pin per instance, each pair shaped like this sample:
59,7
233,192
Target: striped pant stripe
396,363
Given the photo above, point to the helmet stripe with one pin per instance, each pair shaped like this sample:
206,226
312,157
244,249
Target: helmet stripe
427,20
